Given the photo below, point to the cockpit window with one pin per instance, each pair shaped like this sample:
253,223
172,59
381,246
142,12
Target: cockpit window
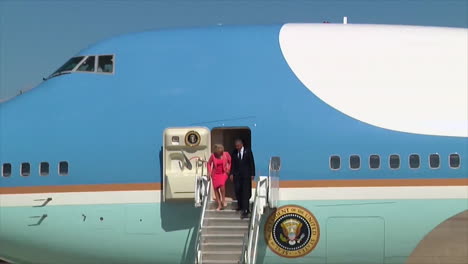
87,65
106,63
68,66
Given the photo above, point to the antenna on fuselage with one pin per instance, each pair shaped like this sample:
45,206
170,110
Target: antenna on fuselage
345,20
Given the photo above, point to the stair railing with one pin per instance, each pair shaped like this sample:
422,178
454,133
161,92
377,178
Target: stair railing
273,182
200,182
266,194
249,251
243,257
206,192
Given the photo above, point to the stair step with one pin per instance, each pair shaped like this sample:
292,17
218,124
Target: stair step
221,261
223,252
224,210
222,213
230,205
222,238
229,246
227,218
226,221
224,229
222,235
224,244
222,255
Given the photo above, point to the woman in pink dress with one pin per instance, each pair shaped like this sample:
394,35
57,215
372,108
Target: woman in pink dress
219,166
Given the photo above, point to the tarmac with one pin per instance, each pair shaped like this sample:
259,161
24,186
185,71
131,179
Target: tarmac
446,244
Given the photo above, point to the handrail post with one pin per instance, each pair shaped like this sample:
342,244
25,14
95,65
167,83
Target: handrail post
266,194
206,197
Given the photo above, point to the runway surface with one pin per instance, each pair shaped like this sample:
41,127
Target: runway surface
446,244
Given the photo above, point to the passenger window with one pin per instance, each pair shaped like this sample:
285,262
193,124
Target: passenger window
6,170
434,161
335,162
414,161
44,169
394,162
106,64
354,162
25,169
454,161
374,161
87,65
63,168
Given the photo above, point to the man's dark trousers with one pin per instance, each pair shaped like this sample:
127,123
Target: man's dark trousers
243,168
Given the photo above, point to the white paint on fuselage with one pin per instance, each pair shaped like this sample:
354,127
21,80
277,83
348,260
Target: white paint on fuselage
403,78
286,194
80,198
374,193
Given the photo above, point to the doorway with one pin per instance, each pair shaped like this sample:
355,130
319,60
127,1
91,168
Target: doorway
226,136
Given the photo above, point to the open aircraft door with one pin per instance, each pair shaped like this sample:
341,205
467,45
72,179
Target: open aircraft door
185,153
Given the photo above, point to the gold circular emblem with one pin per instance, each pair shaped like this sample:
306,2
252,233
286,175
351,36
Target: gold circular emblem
192,138
292,231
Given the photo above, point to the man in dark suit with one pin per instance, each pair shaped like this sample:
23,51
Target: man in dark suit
242,173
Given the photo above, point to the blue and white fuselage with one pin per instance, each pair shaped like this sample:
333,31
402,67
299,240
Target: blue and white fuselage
308,93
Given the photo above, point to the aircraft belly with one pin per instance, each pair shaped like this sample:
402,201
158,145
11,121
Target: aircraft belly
351,231
367,231
129,233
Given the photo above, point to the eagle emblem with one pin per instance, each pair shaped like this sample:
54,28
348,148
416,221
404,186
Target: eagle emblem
292,231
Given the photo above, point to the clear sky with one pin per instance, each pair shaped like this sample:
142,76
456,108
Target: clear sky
37,36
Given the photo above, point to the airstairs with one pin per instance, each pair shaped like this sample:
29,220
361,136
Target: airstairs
225,238
222,235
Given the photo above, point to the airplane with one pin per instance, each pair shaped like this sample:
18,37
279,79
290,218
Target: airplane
359,133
